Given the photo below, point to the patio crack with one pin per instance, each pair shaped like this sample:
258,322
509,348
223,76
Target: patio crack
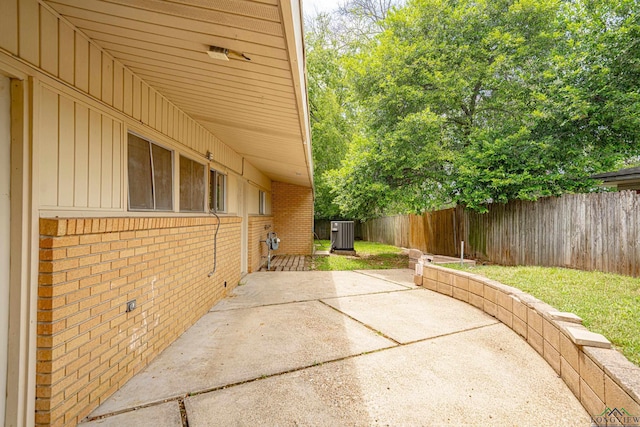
401,344
273,304
180,399
364,273
397,343
183,413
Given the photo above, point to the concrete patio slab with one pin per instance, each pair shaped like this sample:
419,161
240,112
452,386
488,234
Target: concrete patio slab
163,415
267,288
398,276
226,348
479,377
412,315
265,359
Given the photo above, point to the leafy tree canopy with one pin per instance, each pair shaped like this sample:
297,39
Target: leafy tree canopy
330,127
475,102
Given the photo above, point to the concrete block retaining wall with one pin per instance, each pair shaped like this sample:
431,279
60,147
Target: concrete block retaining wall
601,378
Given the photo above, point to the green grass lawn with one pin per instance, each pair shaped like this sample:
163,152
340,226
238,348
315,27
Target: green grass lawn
369,256
609,304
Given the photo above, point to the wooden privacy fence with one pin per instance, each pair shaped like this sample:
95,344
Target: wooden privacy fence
322,229
598,231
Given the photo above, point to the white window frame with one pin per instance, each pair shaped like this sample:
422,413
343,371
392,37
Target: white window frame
262,202
173,168
213,190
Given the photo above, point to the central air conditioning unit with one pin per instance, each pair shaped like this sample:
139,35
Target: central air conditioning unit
342,235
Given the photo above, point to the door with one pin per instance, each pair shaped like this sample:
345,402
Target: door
5,211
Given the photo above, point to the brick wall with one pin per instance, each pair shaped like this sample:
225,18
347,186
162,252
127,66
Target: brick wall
88,345
259,226
292,208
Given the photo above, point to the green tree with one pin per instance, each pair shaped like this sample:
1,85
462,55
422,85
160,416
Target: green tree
590,95
475,102
442,80
331,128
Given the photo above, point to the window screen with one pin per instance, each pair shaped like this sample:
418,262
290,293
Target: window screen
150,175
262,207
217,191
192,185
140,194
163,181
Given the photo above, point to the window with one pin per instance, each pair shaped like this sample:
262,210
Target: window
150,175
192,185
217,191
262,207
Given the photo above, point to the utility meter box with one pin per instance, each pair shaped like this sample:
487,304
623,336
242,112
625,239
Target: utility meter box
273,241
342,235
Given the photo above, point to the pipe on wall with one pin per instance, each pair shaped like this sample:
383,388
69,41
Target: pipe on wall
215,243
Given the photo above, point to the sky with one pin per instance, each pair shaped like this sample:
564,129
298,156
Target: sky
311,6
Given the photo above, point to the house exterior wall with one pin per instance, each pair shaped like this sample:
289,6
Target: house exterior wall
95,254
88,345
256,178
253,201
5,231
293,218
259,226
38,36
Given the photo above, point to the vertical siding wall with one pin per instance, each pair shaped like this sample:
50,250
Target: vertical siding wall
88,345
84,103
293,218
80,137
258,181
259,226
80,155
598,231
